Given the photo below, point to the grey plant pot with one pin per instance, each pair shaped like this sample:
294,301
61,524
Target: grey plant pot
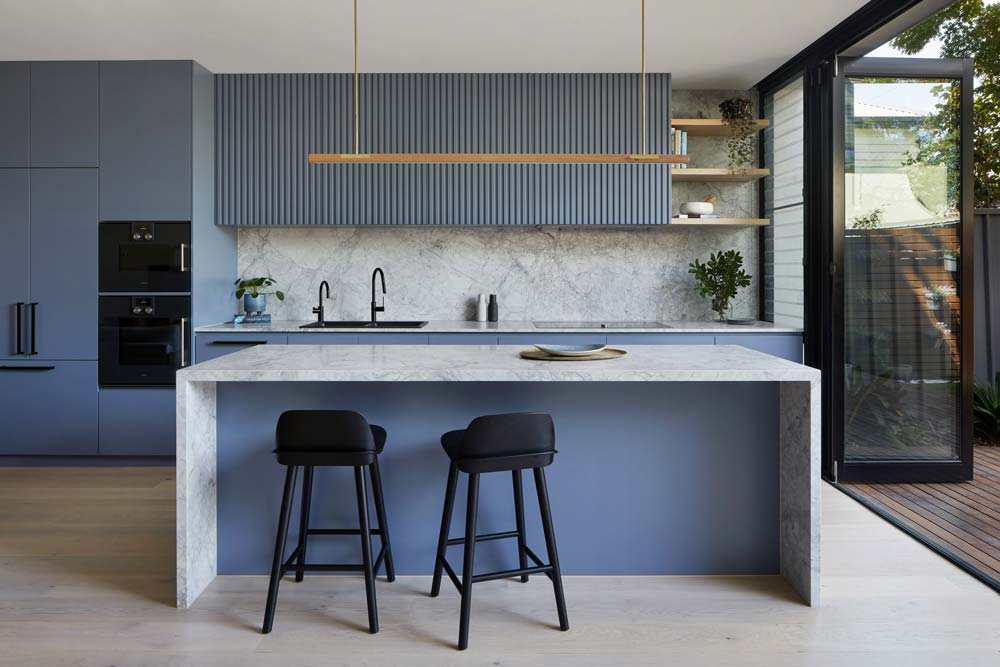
254,304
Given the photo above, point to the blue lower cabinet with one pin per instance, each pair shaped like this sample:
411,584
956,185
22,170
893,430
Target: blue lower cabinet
210,346
463,339
137,421
554,339
661,339
786,346
48,407
392,339
323,339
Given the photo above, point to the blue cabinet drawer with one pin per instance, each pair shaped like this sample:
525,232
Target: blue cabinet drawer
385,338
786,346
323,339
210,346
661,339
463,339
137,421
48,407
554,338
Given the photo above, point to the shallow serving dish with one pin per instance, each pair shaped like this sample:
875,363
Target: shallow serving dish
571,350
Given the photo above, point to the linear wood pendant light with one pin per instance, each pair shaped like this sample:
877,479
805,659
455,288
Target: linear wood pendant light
357,157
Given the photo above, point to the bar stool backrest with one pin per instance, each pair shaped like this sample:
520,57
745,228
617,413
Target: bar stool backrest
517,434
323,430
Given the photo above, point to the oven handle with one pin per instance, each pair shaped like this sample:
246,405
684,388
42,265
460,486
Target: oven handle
184,268
184,323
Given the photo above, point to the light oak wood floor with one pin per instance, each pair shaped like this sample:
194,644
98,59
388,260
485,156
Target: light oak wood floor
86,578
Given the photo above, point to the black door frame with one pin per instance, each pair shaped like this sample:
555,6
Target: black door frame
833,353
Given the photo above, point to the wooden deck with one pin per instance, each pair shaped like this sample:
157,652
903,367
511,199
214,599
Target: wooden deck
961,520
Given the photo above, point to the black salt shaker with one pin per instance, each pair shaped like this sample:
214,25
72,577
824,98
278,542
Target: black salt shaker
493,310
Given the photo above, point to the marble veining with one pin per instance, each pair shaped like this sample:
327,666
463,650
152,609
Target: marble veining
537,273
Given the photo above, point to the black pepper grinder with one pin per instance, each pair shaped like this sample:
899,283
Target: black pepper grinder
493,310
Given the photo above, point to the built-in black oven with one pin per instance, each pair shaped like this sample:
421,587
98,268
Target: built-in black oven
145,257
143,339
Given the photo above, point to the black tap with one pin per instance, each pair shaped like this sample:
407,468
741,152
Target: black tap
319,309
375,308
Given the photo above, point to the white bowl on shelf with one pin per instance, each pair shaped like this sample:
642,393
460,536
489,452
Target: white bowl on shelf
697,208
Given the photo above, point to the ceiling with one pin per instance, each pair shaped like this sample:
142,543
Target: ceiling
705,44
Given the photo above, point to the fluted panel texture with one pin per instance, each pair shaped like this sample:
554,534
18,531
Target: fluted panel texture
267,124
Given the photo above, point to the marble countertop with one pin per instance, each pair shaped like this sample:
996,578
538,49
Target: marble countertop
507,326
492,363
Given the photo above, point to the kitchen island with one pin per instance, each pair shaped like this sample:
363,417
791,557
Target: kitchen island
672,460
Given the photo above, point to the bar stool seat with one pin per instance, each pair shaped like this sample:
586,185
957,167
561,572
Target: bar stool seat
308,438
498,443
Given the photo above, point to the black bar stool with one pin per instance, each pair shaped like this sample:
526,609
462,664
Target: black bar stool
309,438
497,443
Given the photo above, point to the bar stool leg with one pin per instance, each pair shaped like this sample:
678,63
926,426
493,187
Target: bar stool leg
550,545
449,505
307,487
472,511
519,516
383,523
279,548
366,548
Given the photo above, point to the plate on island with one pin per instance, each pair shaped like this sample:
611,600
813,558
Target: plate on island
571,350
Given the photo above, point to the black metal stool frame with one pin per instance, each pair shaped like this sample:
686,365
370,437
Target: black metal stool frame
296,561
464,585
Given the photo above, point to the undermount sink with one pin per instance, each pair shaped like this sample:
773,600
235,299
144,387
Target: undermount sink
388,324
601,324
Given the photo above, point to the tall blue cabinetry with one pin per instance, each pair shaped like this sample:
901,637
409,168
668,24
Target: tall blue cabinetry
48,258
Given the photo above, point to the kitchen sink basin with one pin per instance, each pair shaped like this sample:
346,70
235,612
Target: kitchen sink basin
387,324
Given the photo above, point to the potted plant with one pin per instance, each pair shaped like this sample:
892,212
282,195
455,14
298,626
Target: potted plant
986,411
720,278
251,290
741,144
951,260
936,295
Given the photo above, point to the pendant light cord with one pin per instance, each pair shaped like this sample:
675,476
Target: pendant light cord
357,121
645,145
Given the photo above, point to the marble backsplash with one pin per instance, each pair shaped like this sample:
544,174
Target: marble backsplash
538,273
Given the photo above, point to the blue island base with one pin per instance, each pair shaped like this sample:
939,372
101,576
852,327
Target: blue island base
650,478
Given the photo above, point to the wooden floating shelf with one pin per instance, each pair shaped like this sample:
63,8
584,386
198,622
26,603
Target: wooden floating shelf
709,127
721,222
719,175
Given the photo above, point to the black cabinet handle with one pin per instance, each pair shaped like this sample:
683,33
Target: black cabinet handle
20,346
238,342
34,320
27,368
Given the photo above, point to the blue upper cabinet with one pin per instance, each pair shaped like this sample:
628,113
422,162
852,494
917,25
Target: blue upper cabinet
64,114
146,140
268,124
15,114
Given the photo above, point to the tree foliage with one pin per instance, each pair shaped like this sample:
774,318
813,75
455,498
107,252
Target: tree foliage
966,29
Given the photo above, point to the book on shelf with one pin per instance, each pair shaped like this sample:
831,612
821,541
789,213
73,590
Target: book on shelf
678,144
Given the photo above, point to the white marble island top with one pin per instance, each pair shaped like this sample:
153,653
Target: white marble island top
492,363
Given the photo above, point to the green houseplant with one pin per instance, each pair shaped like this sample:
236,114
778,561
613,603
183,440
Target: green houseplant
252,291
720,278
986,411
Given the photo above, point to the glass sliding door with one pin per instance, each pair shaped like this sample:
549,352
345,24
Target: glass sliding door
902,290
